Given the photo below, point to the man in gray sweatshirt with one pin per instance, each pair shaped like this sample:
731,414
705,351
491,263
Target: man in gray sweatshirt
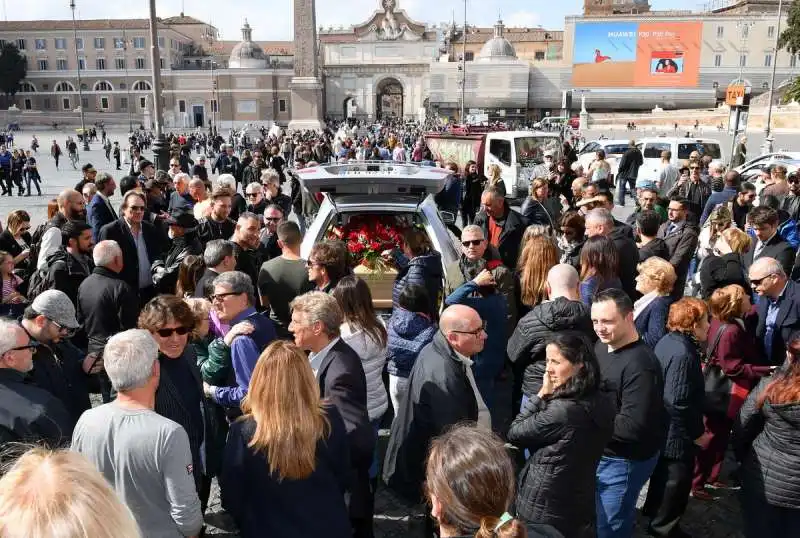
143,455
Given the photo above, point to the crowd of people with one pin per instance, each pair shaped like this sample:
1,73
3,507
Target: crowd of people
530,388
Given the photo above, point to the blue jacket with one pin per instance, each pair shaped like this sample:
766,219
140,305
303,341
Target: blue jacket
492,310
408,334
787,230
449,198
425,270
98,215
652,322
5,160
245,351
592,285
723,197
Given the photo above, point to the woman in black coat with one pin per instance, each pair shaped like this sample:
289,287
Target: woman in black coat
539,208
678,353
16,239
565,426
725,265
474,182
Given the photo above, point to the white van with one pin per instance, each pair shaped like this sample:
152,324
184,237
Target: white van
681,148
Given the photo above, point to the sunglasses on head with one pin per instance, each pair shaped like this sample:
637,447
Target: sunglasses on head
166,333
473,242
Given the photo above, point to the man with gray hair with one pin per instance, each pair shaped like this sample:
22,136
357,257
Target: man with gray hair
143,455
778,309
100,212
218,258
233,300
27,413
600,221
316,317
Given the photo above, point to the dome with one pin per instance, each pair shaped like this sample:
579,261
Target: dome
498,48
247,54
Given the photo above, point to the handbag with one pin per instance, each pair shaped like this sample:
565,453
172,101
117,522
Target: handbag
723,396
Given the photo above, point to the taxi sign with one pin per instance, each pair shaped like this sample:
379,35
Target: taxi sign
735,94
373,177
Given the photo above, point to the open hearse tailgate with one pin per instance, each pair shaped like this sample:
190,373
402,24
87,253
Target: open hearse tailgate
373,178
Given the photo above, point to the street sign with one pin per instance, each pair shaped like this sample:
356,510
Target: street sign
735,95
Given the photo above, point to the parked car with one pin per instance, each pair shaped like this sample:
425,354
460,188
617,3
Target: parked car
767,159
680,147
614,150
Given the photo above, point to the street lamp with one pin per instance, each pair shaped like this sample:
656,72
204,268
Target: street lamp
464,65
767,148
125,44
209,35
80,89
160,149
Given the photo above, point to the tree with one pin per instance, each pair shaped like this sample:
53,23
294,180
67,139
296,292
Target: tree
13,69
790,40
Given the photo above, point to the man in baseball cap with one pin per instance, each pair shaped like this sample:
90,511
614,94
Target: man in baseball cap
58,366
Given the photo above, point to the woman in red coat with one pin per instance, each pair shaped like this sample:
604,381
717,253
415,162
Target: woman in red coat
735,353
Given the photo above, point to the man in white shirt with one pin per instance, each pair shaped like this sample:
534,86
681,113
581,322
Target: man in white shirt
71,206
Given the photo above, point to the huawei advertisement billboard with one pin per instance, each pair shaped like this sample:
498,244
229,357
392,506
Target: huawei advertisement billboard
636,55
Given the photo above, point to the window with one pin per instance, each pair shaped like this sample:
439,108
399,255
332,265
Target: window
61,64
119,43
281,105
161,42
100,64
41,44
123,103
538,55
161,61
717,60
768,60
65,103
138,42
143,102
42,65
84,103
21,44
743,60
99,42
469,56
122,85
61,43
28,104
26,86
181,106
142,86
139,63
720,32
82,63
793,60
119,63
64,86
214,106
103,86
502,150
104,103
770,31
79,43
46,103
652,150
745,30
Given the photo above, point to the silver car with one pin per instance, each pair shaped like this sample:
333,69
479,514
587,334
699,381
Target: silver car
382,189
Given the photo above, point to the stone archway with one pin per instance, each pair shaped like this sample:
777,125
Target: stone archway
349,107
389,99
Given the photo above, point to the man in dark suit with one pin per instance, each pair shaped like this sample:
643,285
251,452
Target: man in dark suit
767,242
316,318
219,258
100,211
140,242
502,226
680,236
778,309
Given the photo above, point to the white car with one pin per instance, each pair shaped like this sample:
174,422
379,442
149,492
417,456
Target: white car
762,161
614,149
680,147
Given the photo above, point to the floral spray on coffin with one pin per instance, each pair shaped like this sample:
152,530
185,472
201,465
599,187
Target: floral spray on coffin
367,237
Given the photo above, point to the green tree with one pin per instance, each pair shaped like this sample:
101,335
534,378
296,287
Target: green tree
12,70
790,40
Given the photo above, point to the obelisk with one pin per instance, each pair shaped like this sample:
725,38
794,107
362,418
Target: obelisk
305,86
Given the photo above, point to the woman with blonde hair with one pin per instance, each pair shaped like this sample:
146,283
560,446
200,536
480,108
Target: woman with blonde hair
735,351
655,281
495,178
725,265
719,220
286,465
60,494
539,208
538,255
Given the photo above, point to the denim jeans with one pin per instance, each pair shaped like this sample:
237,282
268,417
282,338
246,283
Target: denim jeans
619,482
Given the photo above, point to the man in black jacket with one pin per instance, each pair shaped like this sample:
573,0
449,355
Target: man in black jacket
246,242
183,232
69,266
441,392
502,226
628,171
29,413
767,242
217,225
219,258
778,308
563,311
680,236
316,318
633,371
59,367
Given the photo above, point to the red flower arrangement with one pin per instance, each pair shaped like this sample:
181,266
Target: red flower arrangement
367,236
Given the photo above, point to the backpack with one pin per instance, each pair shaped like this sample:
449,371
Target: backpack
36,245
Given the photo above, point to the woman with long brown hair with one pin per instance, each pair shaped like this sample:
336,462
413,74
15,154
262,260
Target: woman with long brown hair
599,267
539,207
767,444
286,464
539,254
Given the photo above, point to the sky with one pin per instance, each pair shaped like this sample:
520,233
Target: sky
271,19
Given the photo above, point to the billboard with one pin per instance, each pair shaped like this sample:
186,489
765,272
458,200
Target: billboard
636,55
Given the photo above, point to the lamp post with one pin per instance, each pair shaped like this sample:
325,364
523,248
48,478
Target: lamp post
160,149
209,35
80,89
767,147
464,64
125,44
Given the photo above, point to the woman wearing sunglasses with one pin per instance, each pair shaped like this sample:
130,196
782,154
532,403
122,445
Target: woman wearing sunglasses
180,391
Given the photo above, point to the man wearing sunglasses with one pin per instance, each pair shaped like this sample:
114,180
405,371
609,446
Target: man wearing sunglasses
778,309
27,413
791,202
59,367
695,190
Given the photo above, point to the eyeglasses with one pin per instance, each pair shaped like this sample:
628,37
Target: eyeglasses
272,219
220,296
476,332
694,168
757,281
253,194
65,330
473,242
32,345
180,331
